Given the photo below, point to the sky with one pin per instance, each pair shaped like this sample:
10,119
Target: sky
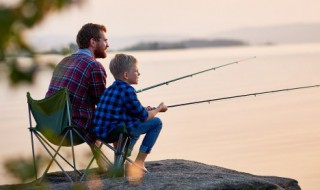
192,18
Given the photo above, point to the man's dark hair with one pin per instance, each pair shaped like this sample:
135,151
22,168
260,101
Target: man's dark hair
87,32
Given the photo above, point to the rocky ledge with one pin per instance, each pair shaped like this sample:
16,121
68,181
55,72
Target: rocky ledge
171,174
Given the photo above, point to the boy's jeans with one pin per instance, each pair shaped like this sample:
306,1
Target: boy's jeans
152,130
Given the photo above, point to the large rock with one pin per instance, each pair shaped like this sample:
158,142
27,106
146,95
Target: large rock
174,174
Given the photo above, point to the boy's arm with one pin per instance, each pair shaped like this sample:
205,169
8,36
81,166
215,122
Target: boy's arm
134,106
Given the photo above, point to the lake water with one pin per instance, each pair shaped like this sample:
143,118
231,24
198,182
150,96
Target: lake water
276,134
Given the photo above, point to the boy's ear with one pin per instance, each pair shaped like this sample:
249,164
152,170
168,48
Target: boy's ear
125,75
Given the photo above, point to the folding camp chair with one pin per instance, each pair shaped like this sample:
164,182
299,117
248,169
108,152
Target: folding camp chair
54,126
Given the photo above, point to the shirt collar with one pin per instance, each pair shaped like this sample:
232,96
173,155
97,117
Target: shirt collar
84,51
121,82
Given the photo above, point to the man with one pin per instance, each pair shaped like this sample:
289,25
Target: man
83,76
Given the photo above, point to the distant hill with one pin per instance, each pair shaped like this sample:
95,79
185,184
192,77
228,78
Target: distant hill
195,43
280,34
294,33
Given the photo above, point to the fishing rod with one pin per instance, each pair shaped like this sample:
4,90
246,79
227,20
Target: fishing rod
193,74
243,95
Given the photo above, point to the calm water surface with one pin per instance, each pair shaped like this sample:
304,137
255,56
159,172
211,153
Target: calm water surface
276,134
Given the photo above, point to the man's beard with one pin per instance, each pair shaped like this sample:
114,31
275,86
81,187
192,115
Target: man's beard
100,52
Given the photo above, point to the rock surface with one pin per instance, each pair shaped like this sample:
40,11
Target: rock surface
172,174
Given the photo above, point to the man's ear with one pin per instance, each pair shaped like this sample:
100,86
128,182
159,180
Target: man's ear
92,42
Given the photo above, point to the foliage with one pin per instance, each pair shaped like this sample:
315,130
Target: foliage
23,169
14,21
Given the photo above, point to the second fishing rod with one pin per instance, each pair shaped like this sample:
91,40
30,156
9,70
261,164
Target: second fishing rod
193,74
245,95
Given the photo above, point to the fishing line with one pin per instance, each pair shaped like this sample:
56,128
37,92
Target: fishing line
243,95
193,74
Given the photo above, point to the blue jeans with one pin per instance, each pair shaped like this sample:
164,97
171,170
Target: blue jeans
152,130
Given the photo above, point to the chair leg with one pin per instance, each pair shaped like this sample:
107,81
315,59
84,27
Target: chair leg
95,148
73,157
33,154
54,150
122,152
98,149
32,143
87,169
104,157
120,156
53,159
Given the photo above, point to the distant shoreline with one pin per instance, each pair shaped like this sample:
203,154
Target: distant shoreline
185,44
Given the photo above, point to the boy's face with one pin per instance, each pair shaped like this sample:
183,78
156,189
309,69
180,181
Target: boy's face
133,74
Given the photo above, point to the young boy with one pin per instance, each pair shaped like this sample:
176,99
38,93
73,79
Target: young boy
119,105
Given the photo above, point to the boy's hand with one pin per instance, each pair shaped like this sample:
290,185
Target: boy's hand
152,112
149,108
162,107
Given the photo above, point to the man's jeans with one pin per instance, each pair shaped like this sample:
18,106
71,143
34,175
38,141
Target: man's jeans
152,130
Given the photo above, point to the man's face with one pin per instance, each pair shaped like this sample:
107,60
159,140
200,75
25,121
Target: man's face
101,46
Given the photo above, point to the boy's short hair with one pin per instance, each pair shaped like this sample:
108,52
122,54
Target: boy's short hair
120,64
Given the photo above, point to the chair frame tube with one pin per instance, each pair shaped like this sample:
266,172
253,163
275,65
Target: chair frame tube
32,144
53,158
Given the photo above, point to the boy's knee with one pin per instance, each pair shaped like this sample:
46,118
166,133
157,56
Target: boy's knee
158,122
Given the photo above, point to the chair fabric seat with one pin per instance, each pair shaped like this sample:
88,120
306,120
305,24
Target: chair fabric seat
56,139
114,134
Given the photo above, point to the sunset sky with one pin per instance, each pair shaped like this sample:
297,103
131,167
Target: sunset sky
191,18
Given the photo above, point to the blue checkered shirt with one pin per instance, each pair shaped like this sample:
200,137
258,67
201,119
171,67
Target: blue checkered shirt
118,105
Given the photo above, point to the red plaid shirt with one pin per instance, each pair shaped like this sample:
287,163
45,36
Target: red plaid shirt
85,79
